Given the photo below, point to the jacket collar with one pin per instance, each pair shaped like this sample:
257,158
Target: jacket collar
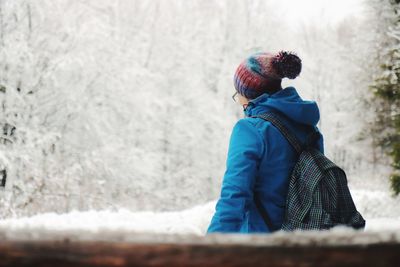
254,107
288,102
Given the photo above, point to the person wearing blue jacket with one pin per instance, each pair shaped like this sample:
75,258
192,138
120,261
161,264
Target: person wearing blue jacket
259,158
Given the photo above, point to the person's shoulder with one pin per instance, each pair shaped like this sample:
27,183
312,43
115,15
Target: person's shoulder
247,134
247,121
256,122
252,124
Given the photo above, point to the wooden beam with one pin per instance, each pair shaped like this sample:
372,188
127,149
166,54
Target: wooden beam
95,253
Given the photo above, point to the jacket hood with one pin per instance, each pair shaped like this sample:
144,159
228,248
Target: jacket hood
289,103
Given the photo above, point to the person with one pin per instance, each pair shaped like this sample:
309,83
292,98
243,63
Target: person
259,158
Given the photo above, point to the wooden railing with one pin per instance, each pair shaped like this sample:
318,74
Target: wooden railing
216,250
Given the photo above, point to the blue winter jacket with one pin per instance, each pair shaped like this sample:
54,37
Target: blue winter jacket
260,160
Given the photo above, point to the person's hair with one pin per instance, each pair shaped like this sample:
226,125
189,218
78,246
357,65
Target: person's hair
273,86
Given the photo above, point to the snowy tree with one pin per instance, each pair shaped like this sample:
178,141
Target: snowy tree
387,90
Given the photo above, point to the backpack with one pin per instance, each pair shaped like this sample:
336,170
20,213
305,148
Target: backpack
318,197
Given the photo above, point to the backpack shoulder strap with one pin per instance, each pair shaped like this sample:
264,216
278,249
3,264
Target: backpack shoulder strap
276,121
264,214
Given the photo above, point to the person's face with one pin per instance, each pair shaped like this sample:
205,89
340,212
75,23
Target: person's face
243,100
238,98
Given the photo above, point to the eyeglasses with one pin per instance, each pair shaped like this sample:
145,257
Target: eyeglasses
234,96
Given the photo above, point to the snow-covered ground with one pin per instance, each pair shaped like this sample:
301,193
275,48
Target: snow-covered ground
381,213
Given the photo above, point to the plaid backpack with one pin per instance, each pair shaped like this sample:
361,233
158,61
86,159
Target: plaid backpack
318,196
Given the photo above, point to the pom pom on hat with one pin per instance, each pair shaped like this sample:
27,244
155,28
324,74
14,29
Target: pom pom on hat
287,64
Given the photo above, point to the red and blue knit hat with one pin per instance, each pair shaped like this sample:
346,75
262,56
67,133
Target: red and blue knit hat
263,72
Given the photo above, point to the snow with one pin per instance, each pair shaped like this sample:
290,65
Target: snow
181,226
188,221
378,208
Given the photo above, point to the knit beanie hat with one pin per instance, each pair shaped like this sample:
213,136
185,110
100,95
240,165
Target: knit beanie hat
263,72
